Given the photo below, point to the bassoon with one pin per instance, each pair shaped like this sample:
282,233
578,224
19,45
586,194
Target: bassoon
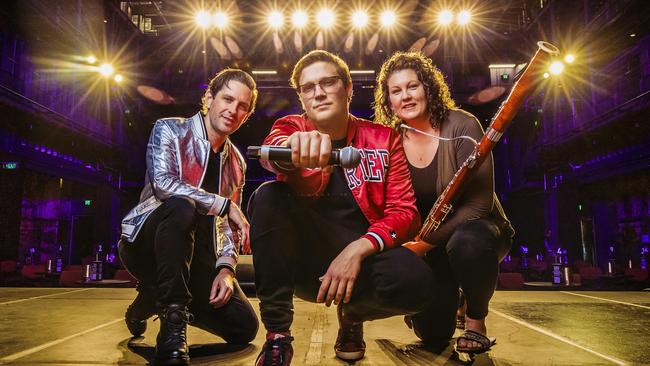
500,122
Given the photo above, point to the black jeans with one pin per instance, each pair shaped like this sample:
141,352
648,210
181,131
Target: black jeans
470,259
293,246
164,257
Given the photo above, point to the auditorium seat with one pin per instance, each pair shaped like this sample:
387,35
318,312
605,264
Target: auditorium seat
69,278
511,281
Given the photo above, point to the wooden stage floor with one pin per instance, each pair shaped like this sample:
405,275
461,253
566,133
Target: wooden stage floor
59,326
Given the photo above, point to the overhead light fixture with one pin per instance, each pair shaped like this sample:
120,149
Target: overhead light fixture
220,19
387,18
501,66
556,68
359,19
118,78
106,70
325,18
299,18
203,19
464,17
264,72
276,19
445,17
362,72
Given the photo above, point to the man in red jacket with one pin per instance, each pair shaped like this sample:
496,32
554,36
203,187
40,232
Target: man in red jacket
330,234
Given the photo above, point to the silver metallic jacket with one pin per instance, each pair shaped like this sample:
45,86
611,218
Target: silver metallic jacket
177,159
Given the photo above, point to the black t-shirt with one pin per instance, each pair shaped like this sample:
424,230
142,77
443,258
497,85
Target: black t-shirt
424,186
203,234
211,178
337,203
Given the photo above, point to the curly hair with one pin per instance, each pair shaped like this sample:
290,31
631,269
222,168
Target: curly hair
437,93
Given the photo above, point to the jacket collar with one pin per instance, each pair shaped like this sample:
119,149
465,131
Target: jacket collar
198,127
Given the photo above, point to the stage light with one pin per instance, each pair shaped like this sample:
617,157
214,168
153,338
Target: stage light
299,19
106,70
91,59
359,19
546,75
387,18
118,78
445,17
569,58
276,19
325,18
220,19
464,17
264,72
203,19
556,68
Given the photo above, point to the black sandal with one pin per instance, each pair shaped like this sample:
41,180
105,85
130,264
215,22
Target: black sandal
470,335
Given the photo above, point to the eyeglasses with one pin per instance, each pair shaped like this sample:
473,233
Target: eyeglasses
328,84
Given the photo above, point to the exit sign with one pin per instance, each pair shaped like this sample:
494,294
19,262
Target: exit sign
10,165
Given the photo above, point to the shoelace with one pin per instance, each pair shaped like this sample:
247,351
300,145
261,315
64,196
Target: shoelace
187,316
276,358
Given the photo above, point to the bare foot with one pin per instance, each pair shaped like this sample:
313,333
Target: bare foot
477,325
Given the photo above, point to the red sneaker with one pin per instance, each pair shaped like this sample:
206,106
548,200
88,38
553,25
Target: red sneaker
350,345
277,350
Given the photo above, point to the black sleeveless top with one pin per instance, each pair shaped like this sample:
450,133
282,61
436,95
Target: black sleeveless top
424,181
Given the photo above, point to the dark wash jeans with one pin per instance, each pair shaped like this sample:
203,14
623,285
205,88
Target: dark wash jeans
165,257
293,246
470,259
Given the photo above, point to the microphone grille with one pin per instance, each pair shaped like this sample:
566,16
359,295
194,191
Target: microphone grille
350,157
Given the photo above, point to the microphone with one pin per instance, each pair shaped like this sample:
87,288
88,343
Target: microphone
347,157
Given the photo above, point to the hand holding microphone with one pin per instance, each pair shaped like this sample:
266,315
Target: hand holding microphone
308,150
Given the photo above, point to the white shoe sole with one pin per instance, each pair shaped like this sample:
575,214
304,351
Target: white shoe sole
350,356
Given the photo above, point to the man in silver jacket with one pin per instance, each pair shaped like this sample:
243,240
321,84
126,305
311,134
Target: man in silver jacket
182,240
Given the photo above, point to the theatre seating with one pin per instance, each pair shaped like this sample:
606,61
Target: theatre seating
124,275
590,273
511,281
637,274
32,271
69,278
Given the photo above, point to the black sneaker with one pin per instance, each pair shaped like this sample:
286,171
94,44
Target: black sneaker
277,351
349,345
141,309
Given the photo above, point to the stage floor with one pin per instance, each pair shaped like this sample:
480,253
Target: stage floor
58,326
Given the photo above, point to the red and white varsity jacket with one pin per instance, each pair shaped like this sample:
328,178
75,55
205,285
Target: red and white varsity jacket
381,184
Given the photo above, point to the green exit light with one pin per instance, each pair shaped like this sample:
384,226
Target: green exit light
10,166
87,202
505,77
579,207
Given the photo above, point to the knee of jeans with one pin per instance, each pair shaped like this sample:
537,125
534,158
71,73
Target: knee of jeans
244,334
471,243
181,210
268,197
433,335
411,284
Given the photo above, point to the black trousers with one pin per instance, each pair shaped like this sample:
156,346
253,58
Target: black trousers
470,259
293,246
164,257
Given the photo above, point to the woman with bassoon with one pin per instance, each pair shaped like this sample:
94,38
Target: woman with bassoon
412,96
